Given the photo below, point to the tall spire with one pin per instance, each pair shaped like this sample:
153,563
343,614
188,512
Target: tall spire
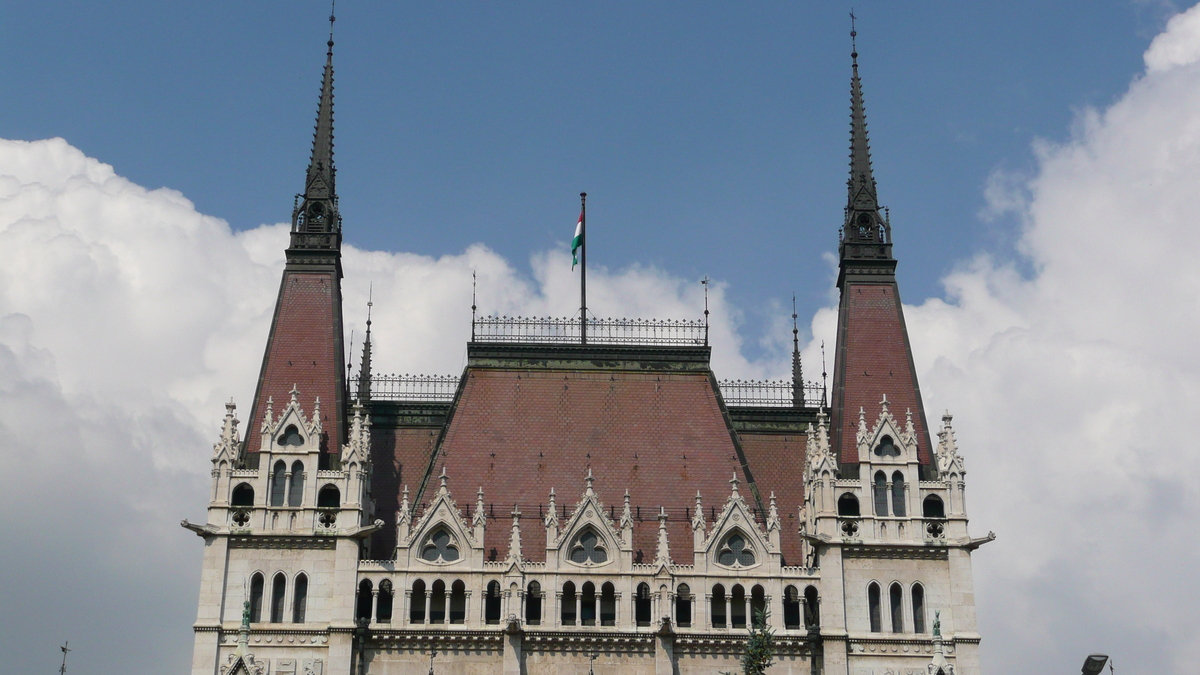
865,233
364,371
316,210
797,367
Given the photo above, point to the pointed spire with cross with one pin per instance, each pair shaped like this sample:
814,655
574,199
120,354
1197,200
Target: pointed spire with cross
866,233
316,210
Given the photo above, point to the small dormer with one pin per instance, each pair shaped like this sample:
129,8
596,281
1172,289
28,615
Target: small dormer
588,539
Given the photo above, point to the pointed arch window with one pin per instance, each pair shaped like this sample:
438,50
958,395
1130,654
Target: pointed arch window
880,489
588,549
918,603
735,551
437,602
533,604
256,597
300,599
608,605
568,604
439,548
362,609
896,593
587,604
278,483
812,607
296,488
848,506
758,606
737,606
458,602
278,593
898,495
383,605
243,495
717,608
875,608
641,605
491,605
791,608
683,606
416,608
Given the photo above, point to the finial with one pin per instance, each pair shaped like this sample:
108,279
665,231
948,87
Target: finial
733,482
704,282
443,478
853,41
332,18
590,480
797,366
824,390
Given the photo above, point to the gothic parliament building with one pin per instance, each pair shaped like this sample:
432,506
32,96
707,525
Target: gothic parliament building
567,505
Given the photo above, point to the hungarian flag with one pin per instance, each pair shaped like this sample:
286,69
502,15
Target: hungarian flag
577,242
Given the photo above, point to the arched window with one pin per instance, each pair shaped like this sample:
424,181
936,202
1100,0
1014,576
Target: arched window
791,607
278,483
641,605
291,437
812,607
416,610
608,605
587,604
887,447
300,599
588,549
568,604
933,507
383,606
918,600
758,606
437,602
735,551
898,495
439,547
737,607
278,594
717,609
896,595
296,489
458,602
243,495
256,598
880,490
873,603
362,608
848,506
491,605
683,606
533,604
330,497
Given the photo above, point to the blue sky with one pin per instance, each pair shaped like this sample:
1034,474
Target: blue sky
712,140
711,137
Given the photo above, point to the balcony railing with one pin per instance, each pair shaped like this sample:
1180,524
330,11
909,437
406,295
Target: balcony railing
424,388
548,330
771,393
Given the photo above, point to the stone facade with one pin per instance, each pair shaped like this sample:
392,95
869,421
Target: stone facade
578,508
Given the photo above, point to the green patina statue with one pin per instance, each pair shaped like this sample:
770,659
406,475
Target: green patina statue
937,623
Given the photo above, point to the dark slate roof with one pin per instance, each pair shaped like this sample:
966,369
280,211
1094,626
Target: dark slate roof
874,358
304,349
517,432
777,461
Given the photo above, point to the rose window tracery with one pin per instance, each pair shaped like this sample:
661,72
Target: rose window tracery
439,548
588,550
735,552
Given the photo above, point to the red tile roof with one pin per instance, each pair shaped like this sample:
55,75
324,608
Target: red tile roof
399,457
304,350
517,433
873,359
777,462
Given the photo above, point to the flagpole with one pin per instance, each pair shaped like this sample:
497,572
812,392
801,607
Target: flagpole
583,268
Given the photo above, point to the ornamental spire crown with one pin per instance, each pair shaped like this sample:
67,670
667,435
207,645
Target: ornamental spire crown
865,233
316,210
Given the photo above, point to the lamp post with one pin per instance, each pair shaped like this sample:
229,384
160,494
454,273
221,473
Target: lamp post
1094,665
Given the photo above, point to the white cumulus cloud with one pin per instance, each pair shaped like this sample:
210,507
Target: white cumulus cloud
127,318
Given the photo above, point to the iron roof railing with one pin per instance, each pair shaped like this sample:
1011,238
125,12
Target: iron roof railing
771,393
549,330
423,388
